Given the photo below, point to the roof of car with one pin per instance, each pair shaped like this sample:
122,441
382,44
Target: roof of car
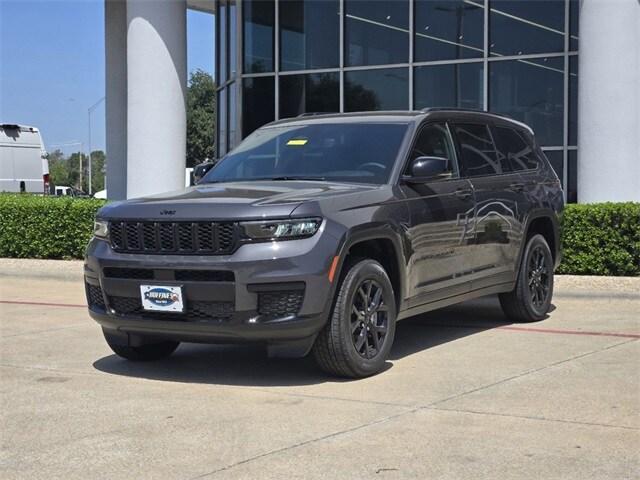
393,116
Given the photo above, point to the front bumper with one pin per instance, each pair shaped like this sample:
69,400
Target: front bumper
264,292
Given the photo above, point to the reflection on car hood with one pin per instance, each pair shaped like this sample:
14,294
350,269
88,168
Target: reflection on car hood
236,200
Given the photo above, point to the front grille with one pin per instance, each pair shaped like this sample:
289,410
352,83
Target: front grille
94,296
137,273
173,237
178,275
280,304
195,311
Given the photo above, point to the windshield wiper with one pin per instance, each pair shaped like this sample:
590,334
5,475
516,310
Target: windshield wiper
320,179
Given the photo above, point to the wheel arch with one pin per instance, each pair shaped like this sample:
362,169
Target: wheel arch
376,245
544,222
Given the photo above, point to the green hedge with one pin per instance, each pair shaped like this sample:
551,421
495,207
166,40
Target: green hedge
601,239
34,226
598,239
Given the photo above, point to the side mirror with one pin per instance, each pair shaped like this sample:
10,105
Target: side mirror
201,170
427,168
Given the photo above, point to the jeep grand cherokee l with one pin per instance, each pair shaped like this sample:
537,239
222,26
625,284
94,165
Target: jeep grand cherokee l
317,233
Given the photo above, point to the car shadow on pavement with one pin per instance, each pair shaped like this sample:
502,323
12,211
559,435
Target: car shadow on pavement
248,365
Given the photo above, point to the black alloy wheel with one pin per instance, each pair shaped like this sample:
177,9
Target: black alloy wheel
530,300
369,319
358,336
538,275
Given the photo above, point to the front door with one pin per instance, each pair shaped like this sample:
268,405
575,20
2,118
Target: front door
441,229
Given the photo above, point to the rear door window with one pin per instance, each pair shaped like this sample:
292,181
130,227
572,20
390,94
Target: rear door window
478,156
514,150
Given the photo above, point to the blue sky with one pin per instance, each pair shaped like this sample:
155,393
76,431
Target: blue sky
52,66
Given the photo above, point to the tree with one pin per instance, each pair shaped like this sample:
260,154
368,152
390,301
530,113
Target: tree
58,168
201,114
97,170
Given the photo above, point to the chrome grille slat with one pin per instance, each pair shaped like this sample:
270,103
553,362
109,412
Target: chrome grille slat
173,237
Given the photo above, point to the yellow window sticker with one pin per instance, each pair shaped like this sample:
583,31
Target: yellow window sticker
297,142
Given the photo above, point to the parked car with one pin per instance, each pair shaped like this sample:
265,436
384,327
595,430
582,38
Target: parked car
23,163
64,191
101,194
317,234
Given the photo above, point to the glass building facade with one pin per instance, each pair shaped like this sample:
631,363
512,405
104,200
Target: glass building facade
281,58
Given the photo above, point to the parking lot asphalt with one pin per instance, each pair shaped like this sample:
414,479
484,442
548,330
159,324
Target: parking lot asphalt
466,395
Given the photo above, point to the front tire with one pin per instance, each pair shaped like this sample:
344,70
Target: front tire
530,300
143,353
356,341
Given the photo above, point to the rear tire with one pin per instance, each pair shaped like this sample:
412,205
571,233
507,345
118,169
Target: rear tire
530,300
356,341
142,353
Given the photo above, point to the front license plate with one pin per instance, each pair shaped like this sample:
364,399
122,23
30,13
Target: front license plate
161,298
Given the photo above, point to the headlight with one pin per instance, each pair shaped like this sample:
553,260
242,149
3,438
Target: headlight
281,229
100,229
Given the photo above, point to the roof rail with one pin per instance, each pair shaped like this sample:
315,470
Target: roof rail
454,109
313,114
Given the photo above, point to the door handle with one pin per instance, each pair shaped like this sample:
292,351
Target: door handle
518,187
463,193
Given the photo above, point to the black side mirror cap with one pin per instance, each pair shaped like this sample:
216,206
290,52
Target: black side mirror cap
427,168
201,170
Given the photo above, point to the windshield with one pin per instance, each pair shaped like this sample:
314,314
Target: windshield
349,152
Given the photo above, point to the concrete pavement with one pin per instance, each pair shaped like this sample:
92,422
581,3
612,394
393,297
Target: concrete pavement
465,395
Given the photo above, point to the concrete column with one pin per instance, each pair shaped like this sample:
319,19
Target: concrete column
115,16
609,101
157,77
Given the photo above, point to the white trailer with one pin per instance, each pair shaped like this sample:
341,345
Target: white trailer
23,163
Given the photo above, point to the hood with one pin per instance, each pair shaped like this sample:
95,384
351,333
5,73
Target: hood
233,201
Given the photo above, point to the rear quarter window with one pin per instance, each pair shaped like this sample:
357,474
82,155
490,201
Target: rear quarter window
514,150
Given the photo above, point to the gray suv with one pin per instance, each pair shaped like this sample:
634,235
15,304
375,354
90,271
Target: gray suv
318,233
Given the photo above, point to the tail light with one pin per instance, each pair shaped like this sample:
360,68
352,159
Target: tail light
45,178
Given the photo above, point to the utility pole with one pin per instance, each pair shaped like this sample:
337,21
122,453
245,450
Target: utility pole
89,111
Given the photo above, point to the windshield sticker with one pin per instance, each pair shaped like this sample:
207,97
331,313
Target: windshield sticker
297,142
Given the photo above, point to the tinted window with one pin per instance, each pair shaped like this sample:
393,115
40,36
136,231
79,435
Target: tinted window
572,177
383,89
477,152
513,151
259,16
530,91
316,92
222,47
309,34
233,40
574,8
361,153
518,27
222,122
448,29
573,100
433,141
233,135
555,158
458,85
258,103
376,32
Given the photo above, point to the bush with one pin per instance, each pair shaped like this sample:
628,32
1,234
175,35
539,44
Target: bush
597,239
34,226
601,239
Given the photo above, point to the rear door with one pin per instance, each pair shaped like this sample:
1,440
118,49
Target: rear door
440,230
497,226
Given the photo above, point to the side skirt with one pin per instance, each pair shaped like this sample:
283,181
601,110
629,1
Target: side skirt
445,302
